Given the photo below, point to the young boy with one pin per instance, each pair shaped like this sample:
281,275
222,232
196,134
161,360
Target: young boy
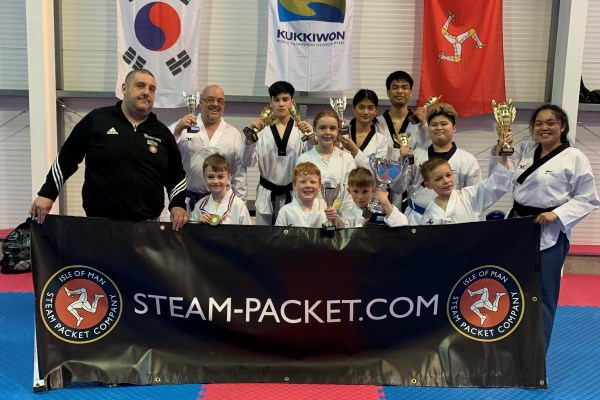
306,210
222,206
452,206
361,186
441,120
276,151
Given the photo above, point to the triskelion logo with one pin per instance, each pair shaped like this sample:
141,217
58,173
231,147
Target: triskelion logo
80,304
486,304
312,10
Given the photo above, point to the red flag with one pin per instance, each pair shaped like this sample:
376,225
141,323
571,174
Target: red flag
463,54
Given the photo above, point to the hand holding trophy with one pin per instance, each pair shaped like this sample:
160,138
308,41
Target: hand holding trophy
267,116
384,171
505,114
430,101
192,102
296,117
339,105
330,192
403,139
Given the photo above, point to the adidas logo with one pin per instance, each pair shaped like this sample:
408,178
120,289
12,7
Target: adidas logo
112,131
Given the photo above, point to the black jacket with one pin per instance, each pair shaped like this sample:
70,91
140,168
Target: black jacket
126,168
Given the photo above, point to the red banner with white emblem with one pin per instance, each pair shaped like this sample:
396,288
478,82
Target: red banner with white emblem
463,54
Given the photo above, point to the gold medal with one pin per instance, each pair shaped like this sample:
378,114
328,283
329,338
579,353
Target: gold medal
214,220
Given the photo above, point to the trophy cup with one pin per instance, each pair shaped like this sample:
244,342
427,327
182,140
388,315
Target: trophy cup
403,139
267,116
330,192
505,114
430,101
191,102
296,116
339,105
384,171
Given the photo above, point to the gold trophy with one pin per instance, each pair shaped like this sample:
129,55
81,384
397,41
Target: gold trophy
505,114
430,101
192,102
296,116
267,116
339,105
330,192
403,138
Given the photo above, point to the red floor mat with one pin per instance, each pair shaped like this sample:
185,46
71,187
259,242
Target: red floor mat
16,282
273,391
580,290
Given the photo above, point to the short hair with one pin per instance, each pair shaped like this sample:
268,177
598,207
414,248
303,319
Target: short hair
217,163
131,75
280,87
428,166
365,94
360,177
305,168
444,109
559,113
398,76
327,113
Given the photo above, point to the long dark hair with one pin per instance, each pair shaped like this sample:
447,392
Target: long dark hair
559,113
363,94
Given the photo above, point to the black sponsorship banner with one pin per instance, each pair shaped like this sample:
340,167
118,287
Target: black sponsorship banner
455,305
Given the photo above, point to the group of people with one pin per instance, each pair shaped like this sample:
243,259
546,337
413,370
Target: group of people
131,158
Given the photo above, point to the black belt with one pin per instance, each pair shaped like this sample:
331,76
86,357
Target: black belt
277,190
525,211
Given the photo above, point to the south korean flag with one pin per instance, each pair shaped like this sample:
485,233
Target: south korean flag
162,37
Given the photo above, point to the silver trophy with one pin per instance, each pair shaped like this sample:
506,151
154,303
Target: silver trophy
384,171
295,114
192,102
339,105
330,192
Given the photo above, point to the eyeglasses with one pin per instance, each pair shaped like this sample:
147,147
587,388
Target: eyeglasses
211,100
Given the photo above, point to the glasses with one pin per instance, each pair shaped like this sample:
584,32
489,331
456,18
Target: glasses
211,100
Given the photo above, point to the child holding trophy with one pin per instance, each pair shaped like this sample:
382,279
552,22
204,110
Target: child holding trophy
364,139
441,120
555,183
276,151
453,206
221,206
361,186
306,210
334,163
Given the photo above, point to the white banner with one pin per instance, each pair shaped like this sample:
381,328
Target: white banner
310,44
162,37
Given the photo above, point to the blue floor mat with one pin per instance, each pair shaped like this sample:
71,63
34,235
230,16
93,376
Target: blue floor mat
571,365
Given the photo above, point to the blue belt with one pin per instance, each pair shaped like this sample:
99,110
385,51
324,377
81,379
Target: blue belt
416,207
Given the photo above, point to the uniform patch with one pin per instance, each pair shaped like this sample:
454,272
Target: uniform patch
153,149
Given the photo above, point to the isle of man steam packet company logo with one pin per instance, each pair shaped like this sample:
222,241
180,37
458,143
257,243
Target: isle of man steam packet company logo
80,304
486,304
312,10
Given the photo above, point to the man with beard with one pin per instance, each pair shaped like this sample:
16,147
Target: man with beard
130,158
215,137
